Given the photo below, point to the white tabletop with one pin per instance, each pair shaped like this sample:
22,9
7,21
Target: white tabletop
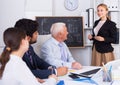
97,78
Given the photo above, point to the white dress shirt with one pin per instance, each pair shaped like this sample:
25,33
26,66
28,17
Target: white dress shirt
17,73
50,52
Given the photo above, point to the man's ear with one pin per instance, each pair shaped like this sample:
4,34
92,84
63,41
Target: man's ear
60,33
29,38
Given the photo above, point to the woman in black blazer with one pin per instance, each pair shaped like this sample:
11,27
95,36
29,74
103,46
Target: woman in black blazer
104,33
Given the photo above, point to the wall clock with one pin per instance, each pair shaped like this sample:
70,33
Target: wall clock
71,4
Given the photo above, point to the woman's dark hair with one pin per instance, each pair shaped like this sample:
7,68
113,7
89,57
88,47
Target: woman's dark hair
30,26
12,38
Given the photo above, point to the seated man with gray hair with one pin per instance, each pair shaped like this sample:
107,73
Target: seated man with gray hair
55,51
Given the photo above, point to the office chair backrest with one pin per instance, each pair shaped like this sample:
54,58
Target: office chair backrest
40,40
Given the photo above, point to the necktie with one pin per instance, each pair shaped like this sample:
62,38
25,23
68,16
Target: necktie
62,50
30,56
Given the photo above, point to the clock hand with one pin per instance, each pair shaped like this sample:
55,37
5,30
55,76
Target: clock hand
71,3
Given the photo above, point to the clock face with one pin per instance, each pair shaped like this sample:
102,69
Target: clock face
71,4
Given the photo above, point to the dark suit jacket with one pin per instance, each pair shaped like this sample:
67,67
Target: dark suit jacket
39,67
108,31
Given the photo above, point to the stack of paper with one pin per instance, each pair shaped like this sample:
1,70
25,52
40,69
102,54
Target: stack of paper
115,74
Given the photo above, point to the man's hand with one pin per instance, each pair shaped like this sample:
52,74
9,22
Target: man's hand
62,71
53,76
76,65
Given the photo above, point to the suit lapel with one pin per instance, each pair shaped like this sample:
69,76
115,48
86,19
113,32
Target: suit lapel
102,27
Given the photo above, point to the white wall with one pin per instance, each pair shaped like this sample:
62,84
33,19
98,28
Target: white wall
59,8
10,12
38,8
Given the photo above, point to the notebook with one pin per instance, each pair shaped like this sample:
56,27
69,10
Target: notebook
87,74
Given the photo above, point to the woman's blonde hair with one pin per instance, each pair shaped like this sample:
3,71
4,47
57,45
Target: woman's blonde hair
104,6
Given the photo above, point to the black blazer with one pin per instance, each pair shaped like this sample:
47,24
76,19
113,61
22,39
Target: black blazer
39,67
108,31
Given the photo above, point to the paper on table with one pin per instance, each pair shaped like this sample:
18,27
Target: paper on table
116,83
85,68
71,70
76,83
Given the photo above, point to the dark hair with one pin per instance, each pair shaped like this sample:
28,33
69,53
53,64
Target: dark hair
12,39
28,25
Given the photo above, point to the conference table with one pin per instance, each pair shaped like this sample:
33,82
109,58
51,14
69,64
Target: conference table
97,78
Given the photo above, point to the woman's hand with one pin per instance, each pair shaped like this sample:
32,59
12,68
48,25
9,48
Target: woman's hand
99,38
90,36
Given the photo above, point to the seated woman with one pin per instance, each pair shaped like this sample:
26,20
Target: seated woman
13,70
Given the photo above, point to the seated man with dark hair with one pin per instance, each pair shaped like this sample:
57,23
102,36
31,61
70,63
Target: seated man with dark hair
39,67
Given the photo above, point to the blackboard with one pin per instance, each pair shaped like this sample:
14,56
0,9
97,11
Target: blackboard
74,27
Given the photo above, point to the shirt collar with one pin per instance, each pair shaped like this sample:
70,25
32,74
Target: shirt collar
15,57
55,41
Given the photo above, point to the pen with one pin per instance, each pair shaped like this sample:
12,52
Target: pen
110,69
104,68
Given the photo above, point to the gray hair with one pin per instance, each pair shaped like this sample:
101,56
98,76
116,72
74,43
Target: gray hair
56,28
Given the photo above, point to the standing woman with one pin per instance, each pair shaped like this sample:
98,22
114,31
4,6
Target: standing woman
104,33
13,70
